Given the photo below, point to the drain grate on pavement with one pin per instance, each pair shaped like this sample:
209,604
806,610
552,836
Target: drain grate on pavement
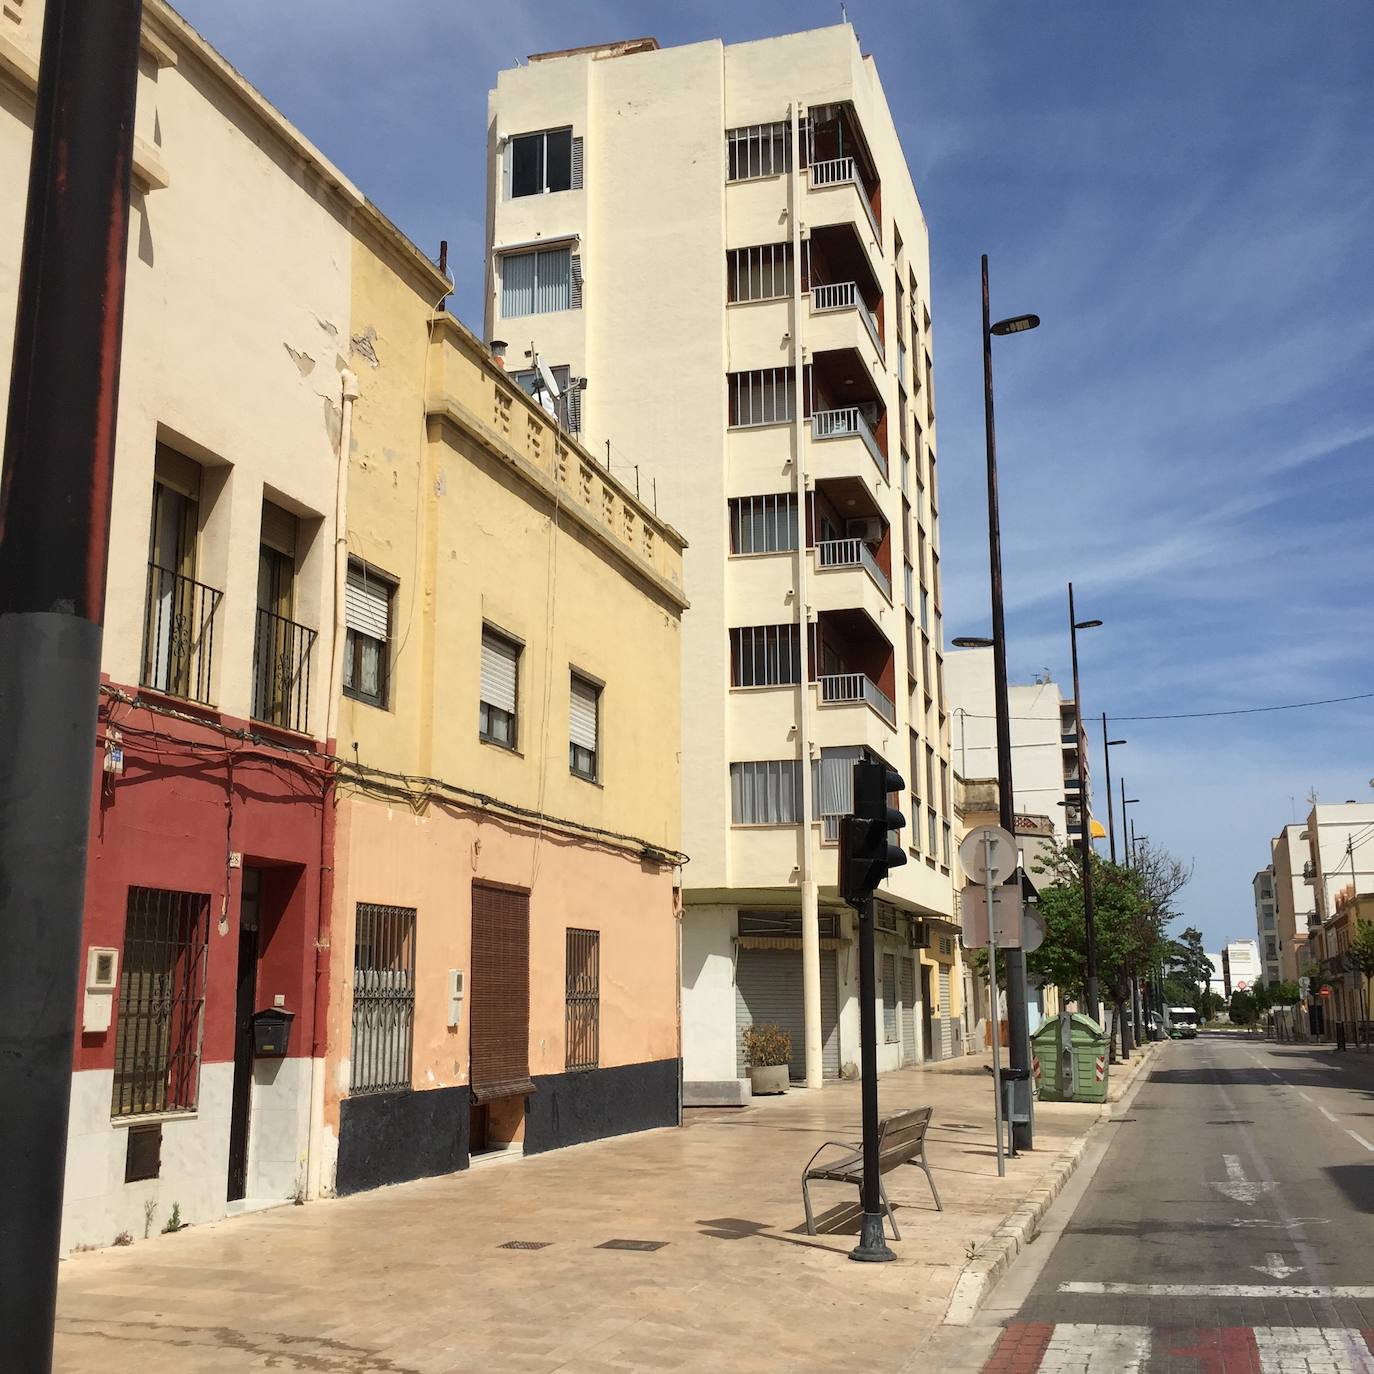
525,1245
632,1245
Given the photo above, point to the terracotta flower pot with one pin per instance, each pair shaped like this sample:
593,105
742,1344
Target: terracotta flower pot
768,1078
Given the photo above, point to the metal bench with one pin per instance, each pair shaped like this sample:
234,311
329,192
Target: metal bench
901,1140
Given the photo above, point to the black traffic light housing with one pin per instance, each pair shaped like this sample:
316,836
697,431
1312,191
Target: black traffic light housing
867,848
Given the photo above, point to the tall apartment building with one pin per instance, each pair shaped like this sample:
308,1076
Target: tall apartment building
1266,924
719,250
1339,867
1044,738
1292,900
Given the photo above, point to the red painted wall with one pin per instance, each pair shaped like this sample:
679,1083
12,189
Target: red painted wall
189,796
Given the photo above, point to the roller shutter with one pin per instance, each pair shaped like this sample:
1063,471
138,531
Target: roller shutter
946,1015
500,660
500,992
583,710
768,987
366,605
908,1011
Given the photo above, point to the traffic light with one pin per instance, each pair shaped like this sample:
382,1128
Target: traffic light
867,850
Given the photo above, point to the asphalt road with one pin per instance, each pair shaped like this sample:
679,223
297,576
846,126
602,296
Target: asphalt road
1229,1226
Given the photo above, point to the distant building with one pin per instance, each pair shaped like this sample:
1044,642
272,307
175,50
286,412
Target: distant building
1339,868
1292,900
1266,923
1237,968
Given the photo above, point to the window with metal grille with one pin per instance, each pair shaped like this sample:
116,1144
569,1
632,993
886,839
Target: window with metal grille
499,689
582,1018
584,726
540,162
760,273
761,397
383,998
536,283
757,150
367,616
763,524
765,655
890,999
161,1002
767,792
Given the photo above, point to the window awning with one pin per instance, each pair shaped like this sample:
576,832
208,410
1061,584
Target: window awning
787,942
548,241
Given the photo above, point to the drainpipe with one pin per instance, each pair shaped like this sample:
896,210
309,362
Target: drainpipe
314,1161
810,894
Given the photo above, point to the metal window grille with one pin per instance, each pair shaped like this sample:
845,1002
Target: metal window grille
763,524
281,671
583,1014
760,273
383,998
161,1002
765,656
768,792
761,397
757,150
179,634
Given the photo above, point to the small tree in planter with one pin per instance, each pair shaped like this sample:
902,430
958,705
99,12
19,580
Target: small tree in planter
767,1048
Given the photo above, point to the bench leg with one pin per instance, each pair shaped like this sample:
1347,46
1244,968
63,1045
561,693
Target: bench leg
887,1207
930,1178
806,1202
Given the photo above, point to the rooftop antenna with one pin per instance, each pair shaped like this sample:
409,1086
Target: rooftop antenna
844,13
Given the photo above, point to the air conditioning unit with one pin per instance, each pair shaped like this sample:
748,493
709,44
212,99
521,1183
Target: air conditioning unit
870,531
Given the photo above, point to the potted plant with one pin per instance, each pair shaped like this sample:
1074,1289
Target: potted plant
767,1048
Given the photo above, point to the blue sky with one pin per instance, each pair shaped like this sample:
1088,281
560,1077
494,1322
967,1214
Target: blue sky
1183,192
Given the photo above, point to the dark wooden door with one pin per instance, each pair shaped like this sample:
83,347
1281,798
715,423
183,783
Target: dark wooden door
244,1007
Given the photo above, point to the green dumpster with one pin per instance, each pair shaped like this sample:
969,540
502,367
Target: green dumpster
1046,1060
1090,1059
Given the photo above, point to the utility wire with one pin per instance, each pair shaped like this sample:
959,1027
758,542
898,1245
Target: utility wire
1201,715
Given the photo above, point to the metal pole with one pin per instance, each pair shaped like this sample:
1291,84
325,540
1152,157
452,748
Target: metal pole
1125,847
1018,1023
54,537
1107,765
872,1245
996,1029
1085,836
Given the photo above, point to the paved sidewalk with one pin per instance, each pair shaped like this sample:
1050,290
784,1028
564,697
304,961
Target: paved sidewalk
412,1279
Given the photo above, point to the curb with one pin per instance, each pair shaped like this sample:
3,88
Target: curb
984,1271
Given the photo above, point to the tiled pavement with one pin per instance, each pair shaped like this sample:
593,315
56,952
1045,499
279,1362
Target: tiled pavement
413,1279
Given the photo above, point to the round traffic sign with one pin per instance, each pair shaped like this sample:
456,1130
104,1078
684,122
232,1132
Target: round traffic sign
1240,985
988,854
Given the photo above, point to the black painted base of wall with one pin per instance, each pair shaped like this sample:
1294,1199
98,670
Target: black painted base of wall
570,1108
395,1137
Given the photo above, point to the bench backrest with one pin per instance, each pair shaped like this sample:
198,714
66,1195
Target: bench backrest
902,1137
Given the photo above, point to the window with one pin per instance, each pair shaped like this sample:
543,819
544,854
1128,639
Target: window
584,722
765,656
890,999
766,793
757,150
161,1002
763,524
282,649
761,273
566,408
539,282
582,1017
546,161
763,397
367,615
944,843
499,689
383,998
914,841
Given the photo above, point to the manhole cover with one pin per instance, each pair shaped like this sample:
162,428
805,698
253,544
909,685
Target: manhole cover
632,1245
525,1245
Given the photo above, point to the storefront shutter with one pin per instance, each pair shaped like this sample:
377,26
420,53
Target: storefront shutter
500,665
366,605
500,1026
585,708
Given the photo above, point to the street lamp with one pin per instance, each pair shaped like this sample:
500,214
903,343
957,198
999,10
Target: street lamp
1085,837
1018,1025
1107,746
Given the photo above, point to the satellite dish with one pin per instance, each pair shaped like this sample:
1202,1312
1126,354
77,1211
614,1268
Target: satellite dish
546,377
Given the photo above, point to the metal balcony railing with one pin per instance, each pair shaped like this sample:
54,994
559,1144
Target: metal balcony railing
844,295
853,553
836,171
848,421
281,672
843,688
179,634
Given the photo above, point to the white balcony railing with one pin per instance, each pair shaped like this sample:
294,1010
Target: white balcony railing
845,422
837,171
853,553
842,688
844,295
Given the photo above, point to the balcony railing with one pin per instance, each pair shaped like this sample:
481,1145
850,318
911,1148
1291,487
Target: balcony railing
853,553
281,672
836,171
845,422
842,688
179,635
844,295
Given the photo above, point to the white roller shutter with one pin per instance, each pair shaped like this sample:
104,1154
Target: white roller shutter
577,163
583,713
908,1011
367,605
946,1015
768,987
500,665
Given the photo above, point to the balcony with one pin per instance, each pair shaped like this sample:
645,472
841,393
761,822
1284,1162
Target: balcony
845,295
179,635
848,422
281,672
853,666
840,689
845,171
853,553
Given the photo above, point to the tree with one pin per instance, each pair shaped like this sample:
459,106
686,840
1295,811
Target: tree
1284,994
1362,956
1243,1009
1187,961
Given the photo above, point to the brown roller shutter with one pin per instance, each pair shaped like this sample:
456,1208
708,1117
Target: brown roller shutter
500,1053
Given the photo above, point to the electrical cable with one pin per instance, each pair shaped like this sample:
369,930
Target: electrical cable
1207,715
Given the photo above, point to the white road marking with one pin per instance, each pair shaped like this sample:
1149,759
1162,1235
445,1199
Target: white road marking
1300,1349
1327,1114
1237,1187
1356,1135
1305,1097
1296,1224
1105,1349
1220,1290
1275,1267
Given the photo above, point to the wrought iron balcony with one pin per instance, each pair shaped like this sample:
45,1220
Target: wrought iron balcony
841,688
179,634
281,672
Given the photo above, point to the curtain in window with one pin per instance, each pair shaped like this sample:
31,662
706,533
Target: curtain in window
766,793
517,283
553,281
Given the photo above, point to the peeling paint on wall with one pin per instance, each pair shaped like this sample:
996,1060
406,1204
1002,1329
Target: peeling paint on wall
333,421
364,345
305,364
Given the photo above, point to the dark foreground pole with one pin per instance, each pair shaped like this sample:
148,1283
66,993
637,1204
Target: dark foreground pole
54,534
872,1245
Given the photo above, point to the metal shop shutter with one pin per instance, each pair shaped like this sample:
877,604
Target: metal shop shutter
908,1011
946,1015
500,992
768,987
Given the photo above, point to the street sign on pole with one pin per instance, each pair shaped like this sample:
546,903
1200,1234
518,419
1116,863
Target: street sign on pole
1033,931
1006,905
988,854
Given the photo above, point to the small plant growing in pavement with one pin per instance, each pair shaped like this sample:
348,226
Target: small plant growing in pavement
767,1045
149,1213
123,1238
173,1221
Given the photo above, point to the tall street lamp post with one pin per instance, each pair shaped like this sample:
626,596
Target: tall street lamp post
1126,801
1085,827
1018,1025
1107,746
